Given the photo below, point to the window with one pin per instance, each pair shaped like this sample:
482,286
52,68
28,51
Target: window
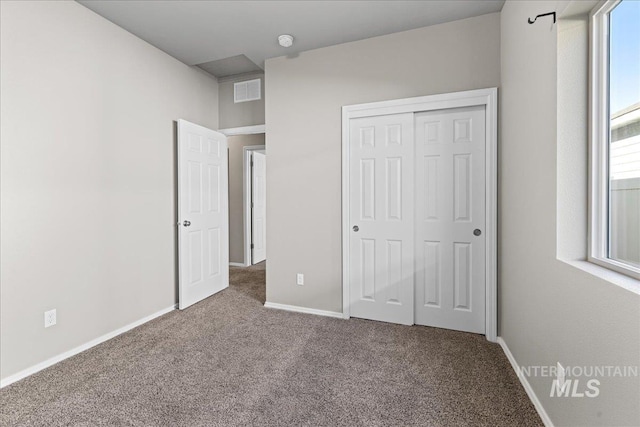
615,137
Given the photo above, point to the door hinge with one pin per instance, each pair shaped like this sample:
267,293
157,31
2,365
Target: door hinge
251,205
252,246
251,163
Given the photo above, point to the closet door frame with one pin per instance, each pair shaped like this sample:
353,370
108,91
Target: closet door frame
481,97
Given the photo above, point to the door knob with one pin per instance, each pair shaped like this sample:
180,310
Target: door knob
356,228
186,223
477,232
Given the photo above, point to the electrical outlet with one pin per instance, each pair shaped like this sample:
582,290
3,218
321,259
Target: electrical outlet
300,279
49,318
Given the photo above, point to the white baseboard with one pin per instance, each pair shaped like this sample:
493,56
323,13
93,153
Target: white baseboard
525,383
67,354
306,310
238,264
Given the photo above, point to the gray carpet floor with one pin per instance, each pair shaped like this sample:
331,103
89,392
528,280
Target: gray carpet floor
228,361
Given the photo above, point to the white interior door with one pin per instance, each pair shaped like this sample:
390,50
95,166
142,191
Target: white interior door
450,219
381,240
203,213
259,207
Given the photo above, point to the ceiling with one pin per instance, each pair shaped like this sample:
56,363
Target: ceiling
239,64
218,33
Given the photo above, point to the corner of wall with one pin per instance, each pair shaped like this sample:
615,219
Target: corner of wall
572,138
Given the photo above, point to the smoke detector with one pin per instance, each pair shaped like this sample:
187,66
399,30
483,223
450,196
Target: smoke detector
285,40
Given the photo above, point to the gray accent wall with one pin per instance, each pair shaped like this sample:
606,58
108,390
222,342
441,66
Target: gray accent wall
88,204
305,95
551,308
233,115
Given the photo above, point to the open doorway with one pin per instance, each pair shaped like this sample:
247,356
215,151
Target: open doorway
247,195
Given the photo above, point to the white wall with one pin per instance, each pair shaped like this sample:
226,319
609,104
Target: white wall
550,310
233,115
87,191
305,96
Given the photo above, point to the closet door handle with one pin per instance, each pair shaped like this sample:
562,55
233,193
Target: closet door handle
356,228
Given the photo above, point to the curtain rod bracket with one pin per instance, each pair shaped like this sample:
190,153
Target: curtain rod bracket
541,15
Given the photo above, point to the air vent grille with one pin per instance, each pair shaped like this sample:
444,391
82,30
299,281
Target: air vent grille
246,91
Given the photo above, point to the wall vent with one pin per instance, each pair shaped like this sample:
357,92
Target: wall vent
246,91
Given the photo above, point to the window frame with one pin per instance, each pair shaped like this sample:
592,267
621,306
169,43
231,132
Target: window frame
598,238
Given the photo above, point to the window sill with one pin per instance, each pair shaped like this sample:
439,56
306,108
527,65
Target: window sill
618,279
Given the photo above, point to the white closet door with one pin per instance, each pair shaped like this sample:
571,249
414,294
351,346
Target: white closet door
259,207
450,219
381,218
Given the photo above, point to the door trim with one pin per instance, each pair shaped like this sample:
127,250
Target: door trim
485,97
246,199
